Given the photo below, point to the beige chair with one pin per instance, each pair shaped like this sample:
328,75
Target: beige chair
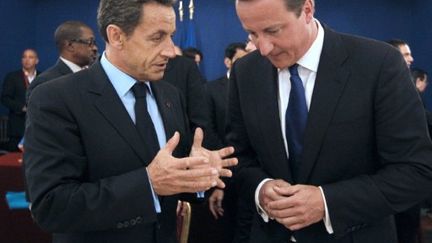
184,212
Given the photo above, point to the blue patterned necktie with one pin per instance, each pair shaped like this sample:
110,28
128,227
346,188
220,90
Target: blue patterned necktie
296,119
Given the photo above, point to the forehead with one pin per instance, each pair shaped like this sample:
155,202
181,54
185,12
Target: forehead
257,15
404,48
29,53
86,32
156,15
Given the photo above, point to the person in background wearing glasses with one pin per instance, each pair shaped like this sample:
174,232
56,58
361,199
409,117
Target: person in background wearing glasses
77,47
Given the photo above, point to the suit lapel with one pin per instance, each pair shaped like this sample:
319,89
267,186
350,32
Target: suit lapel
108,103
329,85
266,92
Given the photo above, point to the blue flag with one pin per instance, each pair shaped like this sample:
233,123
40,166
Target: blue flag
190,38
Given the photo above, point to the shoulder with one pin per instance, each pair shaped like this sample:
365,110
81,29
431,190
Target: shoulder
14,74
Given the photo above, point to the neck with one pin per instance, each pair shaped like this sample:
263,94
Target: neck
29,70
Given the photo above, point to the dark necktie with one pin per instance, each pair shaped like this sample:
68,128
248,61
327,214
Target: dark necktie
295,118
143,121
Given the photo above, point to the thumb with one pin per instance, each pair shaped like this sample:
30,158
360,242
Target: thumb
198,138
172,143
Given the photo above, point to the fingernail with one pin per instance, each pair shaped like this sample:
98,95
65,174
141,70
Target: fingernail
214,172
214,183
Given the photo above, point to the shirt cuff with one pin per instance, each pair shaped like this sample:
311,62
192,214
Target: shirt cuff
155,197
200,194
260,210
326,218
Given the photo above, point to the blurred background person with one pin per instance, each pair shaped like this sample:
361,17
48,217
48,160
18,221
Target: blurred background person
15,86
76,44
194,54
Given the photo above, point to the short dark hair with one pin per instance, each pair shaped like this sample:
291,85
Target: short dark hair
126,14
190,52
418,73
232,48
397,42
67,31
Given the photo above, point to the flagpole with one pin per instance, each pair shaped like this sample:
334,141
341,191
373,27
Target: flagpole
181,10
191,9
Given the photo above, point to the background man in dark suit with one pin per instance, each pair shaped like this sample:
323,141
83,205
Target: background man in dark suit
328,128
76,44
183,73
223,202
13,96
98,164
408,221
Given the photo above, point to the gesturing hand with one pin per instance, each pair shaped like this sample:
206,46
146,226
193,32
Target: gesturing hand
170,175
217,158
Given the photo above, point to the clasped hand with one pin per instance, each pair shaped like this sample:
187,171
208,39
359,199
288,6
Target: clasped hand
294,206
198,172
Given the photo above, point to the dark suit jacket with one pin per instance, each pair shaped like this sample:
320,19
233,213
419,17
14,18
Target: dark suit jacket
85,163
217,97
59,69
13,97
365,143
184,74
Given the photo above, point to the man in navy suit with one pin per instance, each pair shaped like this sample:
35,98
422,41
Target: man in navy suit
328,128
76,44
13,94
108,149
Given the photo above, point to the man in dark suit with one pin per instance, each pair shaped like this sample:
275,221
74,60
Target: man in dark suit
98,164
76,44
328,128
182,73
13,96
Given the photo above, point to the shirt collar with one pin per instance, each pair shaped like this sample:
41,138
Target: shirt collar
310,59
121,81
75,68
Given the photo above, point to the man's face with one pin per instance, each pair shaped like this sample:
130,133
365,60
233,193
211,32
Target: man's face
279,34
406,53
421,84
86,49
29,59
146,51
238,54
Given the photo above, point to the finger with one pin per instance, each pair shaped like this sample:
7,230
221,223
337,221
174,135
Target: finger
281,204
172,143
284,190
229,162
220,183
227,151
193,186
198,138
220,211
213,210
225,173
192,162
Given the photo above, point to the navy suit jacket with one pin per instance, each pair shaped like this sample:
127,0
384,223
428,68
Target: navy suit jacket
85,163
13,97
365,143
59,69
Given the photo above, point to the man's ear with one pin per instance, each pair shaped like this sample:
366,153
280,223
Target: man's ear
227,62
116,37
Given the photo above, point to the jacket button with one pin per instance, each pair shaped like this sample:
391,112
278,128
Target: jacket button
133,221
138,220
119,225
